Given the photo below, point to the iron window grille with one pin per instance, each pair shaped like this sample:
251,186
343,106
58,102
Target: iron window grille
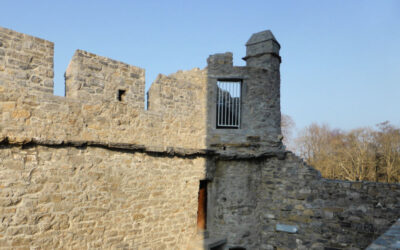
228,104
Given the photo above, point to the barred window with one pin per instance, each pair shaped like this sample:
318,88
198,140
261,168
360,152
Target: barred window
228,104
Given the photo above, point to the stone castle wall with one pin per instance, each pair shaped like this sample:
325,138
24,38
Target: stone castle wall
88,170
328,213
181,92
92,170
92,78
92,197
26,60
252,197
181,115
260,131
91,111
48,119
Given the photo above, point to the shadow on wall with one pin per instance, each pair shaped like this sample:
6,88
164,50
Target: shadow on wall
243,122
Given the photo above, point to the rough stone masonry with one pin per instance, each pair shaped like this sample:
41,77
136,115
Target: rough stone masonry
95,170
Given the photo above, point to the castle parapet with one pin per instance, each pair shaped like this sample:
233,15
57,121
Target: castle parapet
26,61
220,60
91,78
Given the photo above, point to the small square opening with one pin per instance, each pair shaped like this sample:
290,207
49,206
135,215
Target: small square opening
121,95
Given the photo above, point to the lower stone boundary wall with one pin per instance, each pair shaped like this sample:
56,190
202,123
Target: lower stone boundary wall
327,213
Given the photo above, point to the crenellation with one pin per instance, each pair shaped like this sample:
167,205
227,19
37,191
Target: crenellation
92,78
191,86
26,60
219,60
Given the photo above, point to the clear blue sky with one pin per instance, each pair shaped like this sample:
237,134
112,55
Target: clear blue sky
341,59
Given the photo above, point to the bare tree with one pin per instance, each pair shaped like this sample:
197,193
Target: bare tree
357,155
387,139
287,126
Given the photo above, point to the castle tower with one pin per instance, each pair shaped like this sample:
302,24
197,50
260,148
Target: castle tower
244,102
262,51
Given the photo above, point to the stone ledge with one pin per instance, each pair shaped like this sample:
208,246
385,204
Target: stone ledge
170,151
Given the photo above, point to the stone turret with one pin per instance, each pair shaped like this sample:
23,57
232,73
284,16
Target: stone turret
262,51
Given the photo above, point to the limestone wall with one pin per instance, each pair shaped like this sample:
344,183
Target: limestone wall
249,198
93,78
93,111
49,119
91,197
233,200
328,213
181,100
182,92
259,131
26,60
104,104
89,170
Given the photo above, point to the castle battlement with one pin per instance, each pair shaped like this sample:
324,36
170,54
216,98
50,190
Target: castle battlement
91,78
104,102
26,60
